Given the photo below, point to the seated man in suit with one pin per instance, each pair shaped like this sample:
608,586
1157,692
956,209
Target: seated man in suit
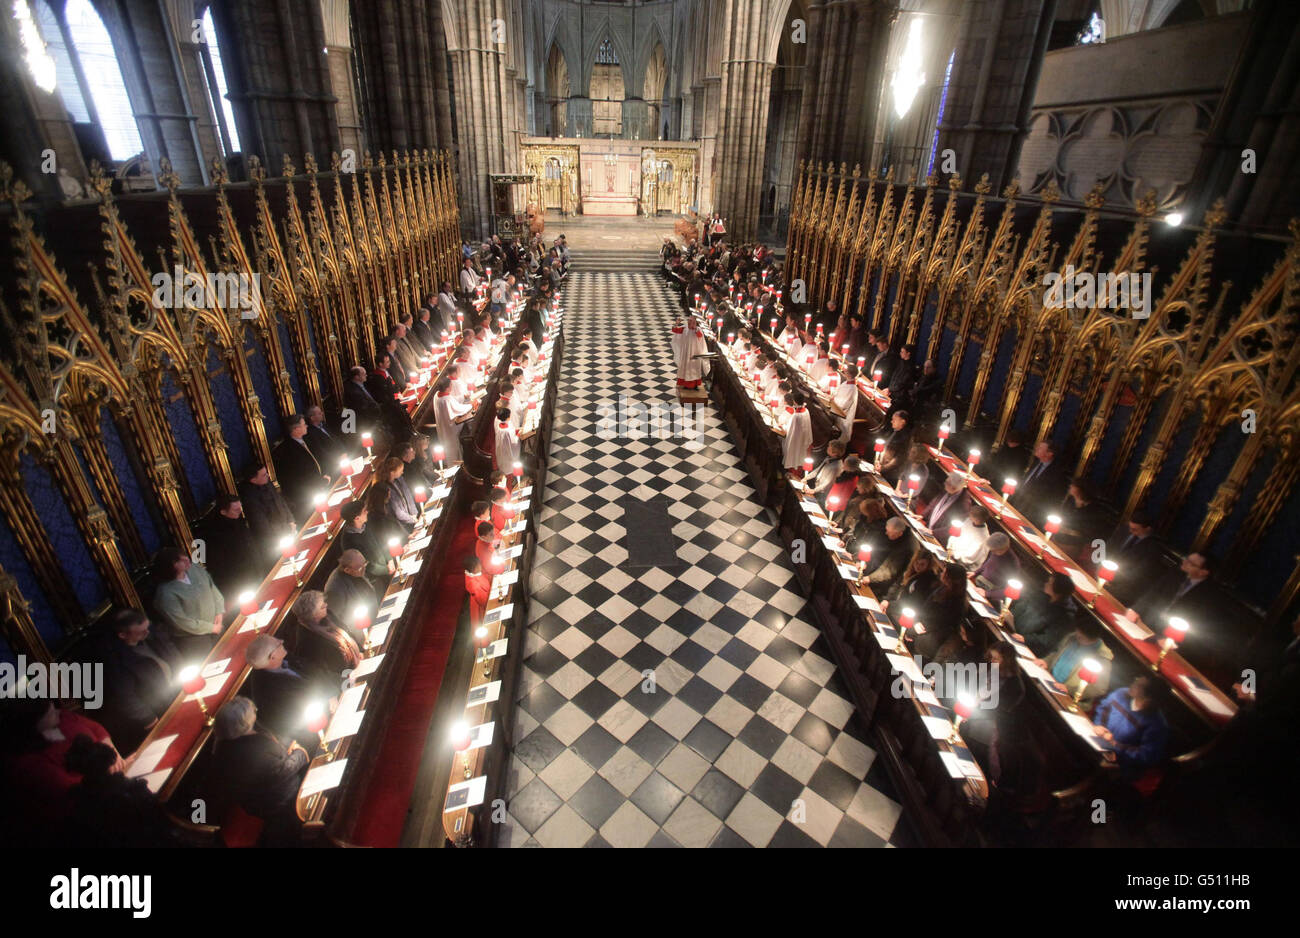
280,688
234,557
1043,485
1189,594
1082,644
325,446
347,587
267,513
141,667
953,503
1043,619
1139,555
358,399
298,471
359,536
1082,522
890,559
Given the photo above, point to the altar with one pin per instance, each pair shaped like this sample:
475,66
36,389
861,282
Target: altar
611,178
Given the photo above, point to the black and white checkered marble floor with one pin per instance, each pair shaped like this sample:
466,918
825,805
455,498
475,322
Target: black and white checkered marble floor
746,738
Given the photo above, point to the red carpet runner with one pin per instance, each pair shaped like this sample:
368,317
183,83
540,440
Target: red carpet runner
384,813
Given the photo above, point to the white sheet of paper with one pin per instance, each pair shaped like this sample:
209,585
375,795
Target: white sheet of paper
155,779
514,551
150,756
213,686
341,495
379,634
323,778
1079,724
833,544
259,619
867,602
481,735
367,666
1134,630
215,667
908,667
440,493
847,572
497,648
819,521
939,729
313,531
923,693
475,787
885,642
484,694
395,600
1206,699
1034,671
952,764
499,613
509,578
1084,583
420,544
520,525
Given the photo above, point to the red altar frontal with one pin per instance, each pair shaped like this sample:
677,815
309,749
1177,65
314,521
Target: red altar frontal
612,178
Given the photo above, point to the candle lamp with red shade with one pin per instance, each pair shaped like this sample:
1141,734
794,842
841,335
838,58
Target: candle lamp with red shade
864,558
906,620
361,622
317,718
1010,594
963,707
248,603
1175,632
1087,674
879,451
460,740
193,682
1105,575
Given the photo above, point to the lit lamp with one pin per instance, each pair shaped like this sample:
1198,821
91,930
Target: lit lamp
345,467
1088,673
944,430
1010,594
318,718
844,350
460,741
288,549
807,465
954,533
318,504
421,496
963,706
906,619
913,486
361,622
247,603
772,326
880,451
832,506
192,682
1050,527
1105,574
864,558
731,338
1175,632
1008,489
481,642
861,361
518,469
439,453
367,440
973,459
875,378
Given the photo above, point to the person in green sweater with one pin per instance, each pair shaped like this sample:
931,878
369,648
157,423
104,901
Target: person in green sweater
190,601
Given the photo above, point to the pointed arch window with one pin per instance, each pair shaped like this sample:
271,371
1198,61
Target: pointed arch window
85,72
214,76
607,92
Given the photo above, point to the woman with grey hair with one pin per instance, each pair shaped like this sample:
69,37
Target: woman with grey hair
318,641
254,772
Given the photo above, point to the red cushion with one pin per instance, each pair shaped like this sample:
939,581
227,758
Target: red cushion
241,829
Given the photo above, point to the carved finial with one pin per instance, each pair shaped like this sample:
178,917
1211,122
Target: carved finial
256,171
366,161
309,164
1216,215
1095,198
167,176
336,161
219,175
1146,205
983,187
889,174
801,165
857,170
1051,192
382,162
930,180
1012,190
911,176
844,168
100,183
954,182
286,167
